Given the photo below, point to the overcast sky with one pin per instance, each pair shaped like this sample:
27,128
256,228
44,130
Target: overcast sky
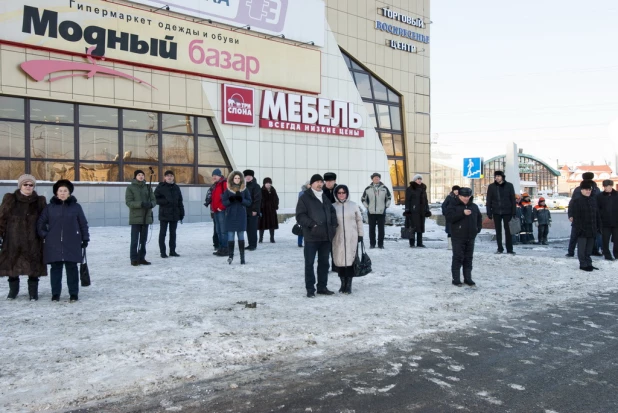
542,73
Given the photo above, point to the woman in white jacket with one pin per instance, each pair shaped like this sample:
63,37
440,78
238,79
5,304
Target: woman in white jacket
349,234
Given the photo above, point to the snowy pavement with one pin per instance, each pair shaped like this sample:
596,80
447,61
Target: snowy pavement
180,320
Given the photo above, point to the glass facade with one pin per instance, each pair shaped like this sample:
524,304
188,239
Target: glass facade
384,108
56,140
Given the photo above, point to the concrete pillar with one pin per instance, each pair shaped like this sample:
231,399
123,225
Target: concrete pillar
511,168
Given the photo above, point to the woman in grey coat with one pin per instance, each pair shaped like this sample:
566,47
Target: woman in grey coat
64,229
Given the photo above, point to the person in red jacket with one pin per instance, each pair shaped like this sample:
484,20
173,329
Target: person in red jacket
218,209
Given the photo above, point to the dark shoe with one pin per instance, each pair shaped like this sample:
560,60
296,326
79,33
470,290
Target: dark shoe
511,252
381,247
300,246
593,267
164,255
13,288
174,254
33,288
589,269
343,283
230,248
544,243
412,246
272,240
73,298
55,297
498,252
260,240
241,251
222,252
134,263
143,262
348,285
596,254
310,294
251,249
216,251
326,292
569,255
457,283
372,246
609,258
421,246
469,283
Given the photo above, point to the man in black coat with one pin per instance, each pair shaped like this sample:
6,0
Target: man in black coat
171,210
253,211
501,208
330,182
450,198
587,177
607,202
586,222
316,214
465,219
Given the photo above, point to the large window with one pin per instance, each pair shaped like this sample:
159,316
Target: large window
384,108
55,140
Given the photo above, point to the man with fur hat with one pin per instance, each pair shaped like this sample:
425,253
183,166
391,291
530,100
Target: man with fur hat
253,211
586,223
417,209
588,178
171,210
500,202
141,200
542,219
22,249
316,214
330,182
608,209
466,222
376,198
450,198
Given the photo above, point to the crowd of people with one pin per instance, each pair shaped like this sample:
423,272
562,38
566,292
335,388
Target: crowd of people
34,233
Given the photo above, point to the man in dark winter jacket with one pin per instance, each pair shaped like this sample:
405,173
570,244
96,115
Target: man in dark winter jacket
376,198
586,222
171,210
608,209
501,208
330,182
466,222
140,200
587,177
254,210
316,214
450,198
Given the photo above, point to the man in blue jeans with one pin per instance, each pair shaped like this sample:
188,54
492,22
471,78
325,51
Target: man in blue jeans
217,207
316,214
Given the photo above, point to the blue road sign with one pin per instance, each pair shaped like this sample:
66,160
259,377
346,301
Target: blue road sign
473,168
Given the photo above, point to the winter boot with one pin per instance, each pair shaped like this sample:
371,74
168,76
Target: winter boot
13,288
343,283
468,278
450,244
33,288
261,236
348,285
230,255
272,236
241,251
456,278
223,252
419,240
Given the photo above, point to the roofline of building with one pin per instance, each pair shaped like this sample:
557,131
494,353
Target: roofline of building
552,170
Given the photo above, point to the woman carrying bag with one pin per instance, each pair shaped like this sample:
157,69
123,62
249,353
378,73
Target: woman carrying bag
349,233
64,228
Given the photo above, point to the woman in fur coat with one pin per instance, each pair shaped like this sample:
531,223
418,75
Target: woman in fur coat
22,248
349,233
268,212
236,199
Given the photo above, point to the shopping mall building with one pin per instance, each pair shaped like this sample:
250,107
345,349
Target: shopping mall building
92,90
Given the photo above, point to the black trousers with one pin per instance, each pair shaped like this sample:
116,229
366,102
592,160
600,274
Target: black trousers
163,231
543,231
322,249
252,231
463,251
572,241
498,221
584,250
376,219
139,235
610,232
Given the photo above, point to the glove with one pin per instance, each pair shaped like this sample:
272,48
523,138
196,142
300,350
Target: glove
84,244
406,213
489,216
427,214
146,204
360,239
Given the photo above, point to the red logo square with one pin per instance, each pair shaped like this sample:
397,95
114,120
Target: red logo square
238,105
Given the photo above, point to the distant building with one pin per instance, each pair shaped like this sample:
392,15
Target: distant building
570,178
443,178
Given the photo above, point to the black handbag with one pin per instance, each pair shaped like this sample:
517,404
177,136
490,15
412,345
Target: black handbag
362,264
297,229
84,273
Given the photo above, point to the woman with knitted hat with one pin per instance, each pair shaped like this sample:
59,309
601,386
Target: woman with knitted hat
64,229
268,210
22,249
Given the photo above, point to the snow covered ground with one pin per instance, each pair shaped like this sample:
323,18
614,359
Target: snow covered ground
145,329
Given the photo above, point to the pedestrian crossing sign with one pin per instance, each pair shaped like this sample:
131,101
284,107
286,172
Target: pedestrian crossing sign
473,168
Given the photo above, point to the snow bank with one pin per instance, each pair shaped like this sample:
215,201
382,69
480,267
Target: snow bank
143,329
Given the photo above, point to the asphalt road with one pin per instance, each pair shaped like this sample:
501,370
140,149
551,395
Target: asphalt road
564,359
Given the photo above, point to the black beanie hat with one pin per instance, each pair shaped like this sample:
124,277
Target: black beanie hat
587,175
139,171
330,176
169,172
315,178
499,173
455,188
63,182
586,185
267,181
248,172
